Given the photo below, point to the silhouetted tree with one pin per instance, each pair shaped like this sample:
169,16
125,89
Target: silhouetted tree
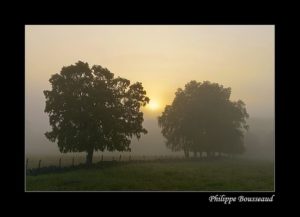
90,110
202,118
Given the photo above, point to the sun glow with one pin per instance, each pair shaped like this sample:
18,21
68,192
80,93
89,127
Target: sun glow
153,105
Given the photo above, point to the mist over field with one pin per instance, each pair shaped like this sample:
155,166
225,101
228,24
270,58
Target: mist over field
259,140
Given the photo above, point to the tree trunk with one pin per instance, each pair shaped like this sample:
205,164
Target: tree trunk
195,154
186,153
200,154
89,157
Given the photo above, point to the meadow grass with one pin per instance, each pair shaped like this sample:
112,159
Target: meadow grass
172,175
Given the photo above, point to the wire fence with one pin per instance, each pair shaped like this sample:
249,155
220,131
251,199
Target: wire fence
35,162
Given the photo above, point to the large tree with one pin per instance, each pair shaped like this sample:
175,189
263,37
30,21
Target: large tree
91,110
202,118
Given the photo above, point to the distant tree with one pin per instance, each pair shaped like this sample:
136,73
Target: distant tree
90,110
203,119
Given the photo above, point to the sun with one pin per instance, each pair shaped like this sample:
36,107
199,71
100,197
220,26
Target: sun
153,105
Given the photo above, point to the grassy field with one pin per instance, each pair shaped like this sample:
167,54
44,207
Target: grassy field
169,175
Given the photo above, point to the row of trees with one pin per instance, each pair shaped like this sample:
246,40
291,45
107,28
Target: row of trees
91,110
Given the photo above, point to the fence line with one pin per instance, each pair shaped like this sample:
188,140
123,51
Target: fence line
71,161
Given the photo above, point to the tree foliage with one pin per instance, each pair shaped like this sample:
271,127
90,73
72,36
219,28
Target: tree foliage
202,118
91,110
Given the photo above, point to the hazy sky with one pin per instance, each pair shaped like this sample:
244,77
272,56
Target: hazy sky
162,57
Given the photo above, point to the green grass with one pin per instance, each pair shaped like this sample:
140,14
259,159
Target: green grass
180,175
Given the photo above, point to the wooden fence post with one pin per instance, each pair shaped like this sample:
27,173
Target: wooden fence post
113,158
101,157
120,158
73,162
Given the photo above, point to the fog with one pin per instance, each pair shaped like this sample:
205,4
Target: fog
163,58
259,140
